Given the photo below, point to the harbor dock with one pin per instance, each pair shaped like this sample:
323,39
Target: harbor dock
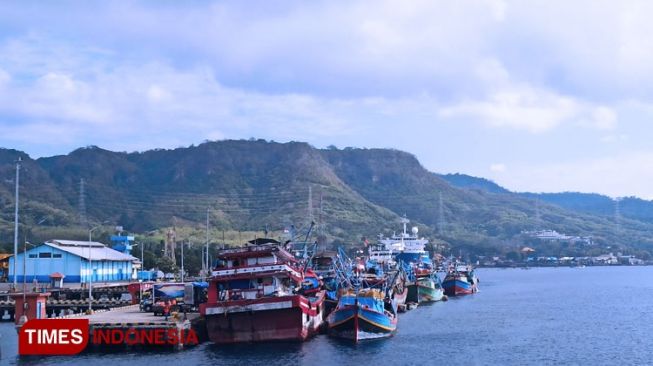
130,320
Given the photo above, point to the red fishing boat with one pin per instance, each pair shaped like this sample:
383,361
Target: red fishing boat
260,293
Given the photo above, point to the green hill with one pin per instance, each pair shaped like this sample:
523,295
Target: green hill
248,185
592,203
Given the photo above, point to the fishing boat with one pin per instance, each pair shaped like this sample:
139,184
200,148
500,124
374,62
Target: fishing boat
399,288
460,280
260,293
363,314
325,266
429,288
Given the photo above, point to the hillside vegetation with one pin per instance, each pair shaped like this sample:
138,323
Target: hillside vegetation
248,185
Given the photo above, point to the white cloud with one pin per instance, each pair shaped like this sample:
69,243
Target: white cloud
4,77
605,118
620,175
614,138
531,109
172,107
559,75
498,168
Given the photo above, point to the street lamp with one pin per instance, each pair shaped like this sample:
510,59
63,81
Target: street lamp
90,266
23,317
142,245
140,280
16,222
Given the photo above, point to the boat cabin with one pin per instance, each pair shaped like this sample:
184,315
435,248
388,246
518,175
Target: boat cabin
254,271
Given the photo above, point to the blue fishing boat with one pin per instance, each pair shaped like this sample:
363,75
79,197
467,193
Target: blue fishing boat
366,314
460,280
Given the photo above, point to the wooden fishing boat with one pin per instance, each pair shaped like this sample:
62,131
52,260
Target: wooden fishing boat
260,293
365,314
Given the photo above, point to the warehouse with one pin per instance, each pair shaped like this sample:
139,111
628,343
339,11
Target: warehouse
71,259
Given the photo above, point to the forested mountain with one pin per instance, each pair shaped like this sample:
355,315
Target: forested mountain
248,185
592,203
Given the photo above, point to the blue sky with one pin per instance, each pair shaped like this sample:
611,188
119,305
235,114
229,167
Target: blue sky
539,96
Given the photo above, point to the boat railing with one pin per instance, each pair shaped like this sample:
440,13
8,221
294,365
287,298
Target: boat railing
248,294
232,271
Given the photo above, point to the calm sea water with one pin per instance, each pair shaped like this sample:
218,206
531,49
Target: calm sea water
594,315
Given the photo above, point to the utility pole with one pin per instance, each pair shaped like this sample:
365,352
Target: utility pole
82,204
16,222
538,215
310,204
182,261
206,268
142,256
319,217
321,236
441,222
617,216
90,270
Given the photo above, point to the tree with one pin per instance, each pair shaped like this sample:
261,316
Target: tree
513,256
165,264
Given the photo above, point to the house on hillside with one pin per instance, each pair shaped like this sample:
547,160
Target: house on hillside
606,259
75,261
630,260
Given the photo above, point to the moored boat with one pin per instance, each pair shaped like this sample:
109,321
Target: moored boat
461,280
407,247
260,293
366,314
399,288
429,288
324,264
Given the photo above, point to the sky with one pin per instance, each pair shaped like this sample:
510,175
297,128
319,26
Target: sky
541,96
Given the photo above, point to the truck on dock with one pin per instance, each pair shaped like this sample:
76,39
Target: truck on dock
195,293
182,296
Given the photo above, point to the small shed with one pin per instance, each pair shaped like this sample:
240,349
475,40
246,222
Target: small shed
56,280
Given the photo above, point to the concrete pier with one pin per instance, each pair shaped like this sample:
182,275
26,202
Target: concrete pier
57,308
131,321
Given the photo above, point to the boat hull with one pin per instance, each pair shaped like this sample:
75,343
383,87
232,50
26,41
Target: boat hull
290,318
357,323
427,293
400,297
413,293
456,287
